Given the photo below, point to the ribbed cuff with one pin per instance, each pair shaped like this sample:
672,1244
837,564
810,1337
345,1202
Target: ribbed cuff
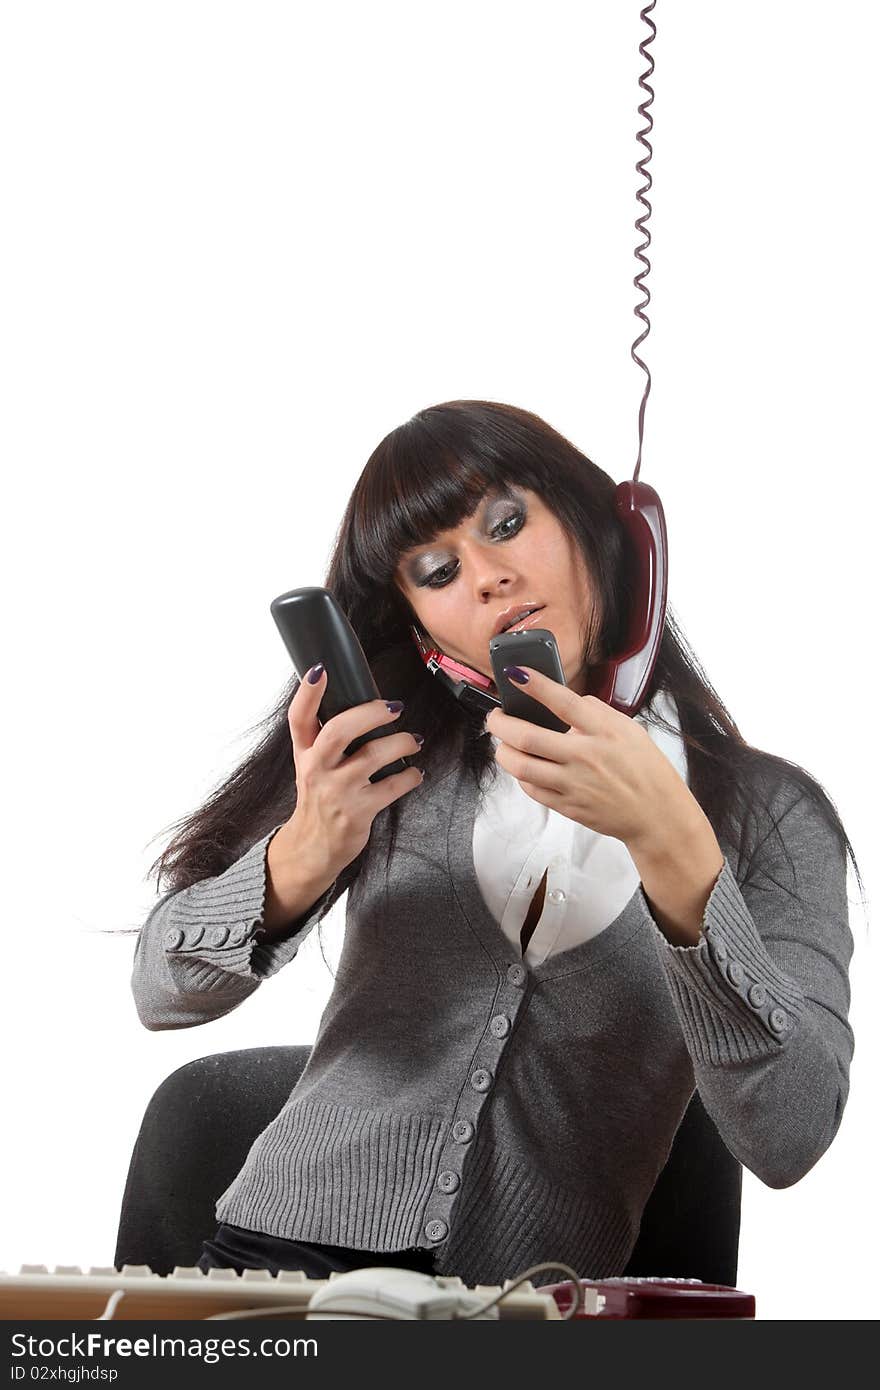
269,956
214,927
733,1003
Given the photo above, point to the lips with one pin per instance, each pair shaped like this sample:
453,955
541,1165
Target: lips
513,615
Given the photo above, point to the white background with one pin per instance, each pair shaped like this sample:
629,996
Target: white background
241,242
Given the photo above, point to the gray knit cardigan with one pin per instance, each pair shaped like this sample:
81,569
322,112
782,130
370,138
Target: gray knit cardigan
502,1115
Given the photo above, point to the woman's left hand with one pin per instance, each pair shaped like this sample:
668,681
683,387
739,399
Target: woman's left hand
605,772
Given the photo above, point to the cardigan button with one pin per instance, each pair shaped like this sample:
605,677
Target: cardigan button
173,938
556,897
448,1181
462,1131
219,936
757,996
436,1230
719,951
778,1020
735,973
481,1079
194,935
500,1026
516,974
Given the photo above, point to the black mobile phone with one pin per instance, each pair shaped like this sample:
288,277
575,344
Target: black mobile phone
535,647
314,628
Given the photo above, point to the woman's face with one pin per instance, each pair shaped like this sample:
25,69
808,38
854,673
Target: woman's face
511,554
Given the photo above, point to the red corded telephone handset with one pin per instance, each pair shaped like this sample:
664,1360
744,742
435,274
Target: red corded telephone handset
621,681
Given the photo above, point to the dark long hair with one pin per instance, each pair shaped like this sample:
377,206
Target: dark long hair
425,477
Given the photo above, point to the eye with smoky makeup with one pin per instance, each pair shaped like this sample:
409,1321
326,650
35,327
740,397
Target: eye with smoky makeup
426,574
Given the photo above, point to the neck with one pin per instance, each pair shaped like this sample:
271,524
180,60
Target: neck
579,682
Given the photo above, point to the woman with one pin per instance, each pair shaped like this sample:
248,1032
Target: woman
551,939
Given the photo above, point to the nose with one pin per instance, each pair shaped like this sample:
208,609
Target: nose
493,574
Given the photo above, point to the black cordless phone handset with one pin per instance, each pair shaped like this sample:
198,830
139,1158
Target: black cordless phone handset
314,628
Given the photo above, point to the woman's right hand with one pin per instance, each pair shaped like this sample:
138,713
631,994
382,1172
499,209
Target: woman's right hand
336,801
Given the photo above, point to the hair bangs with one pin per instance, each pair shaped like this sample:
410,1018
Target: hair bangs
415,489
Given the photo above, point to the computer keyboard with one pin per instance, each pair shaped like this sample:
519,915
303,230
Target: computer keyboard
67,1291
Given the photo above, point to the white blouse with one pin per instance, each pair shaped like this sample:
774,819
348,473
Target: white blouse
590,877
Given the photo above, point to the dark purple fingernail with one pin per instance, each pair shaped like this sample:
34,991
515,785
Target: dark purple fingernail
516,673
419,738
394,706
314,673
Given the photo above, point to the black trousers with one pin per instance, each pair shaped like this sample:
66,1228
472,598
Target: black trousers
233,1247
